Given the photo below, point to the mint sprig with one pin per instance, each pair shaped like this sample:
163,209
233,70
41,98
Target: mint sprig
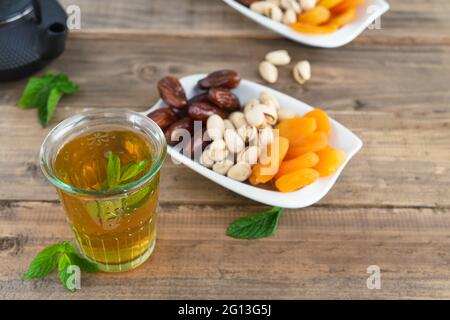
44,94
260,225
117,175
61,255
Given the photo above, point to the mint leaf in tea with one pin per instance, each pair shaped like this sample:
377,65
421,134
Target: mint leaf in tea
115,221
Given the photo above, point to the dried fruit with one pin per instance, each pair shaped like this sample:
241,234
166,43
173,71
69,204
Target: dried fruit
329,3
315,16
307,160
202,111
322,121
314,142
270,162
179,130
296,128
330,161
221,79
224,99
172,92
343,18
202,97
306,28
163,117
296,180
345,5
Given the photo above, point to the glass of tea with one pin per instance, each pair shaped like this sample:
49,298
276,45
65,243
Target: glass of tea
105,166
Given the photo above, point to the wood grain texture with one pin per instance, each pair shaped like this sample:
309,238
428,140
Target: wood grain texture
317,253
390,207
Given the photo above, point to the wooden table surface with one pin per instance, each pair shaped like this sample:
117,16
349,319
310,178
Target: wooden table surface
390,207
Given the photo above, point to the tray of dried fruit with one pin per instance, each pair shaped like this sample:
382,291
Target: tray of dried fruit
251,139
317,23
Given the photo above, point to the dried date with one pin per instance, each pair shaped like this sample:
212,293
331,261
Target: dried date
203,110
163,117
172,92
224,99
221,79
178,130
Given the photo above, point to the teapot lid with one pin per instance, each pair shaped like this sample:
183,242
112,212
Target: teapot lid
11,10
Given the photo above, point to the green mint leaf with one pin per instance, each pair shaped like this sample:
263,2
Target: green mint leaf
46,112
113,170
133,170
44,262
84,264
64,273
44,94
255,226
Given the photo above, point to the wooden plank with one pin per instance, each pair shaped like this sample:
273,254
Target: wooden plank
413,20
318,252
394,97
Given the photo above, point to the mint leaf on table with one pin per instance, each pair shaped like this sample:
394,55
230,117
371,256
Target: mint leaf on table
44,94
260,225
61,255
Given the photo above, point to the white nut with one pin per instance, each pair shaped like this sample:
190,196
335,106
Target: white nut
238,119
217,150
302,72
215,127
290,5
251,104
278,57
275,13
249,155
255,116
289,17
268,72
308,4
270,114
228,124
240,171
222,167
266,136
248,133
262,7
267,98
205,160
233,142
284,114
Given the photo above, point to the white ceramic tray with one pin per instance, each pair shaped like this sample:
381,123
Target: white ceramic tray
367,14
341,138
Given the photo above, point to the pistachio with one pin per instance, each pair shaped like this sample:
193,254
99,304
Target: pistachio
307,4
262,7
205,160
284,114
267,98
289,17
217,150
270,114
275,13
255,116
228,124
268,72
278,57
233,141
247,133
291,5
238,119
240,171
215,127
249,155
251,104
222,167
265,136
302,72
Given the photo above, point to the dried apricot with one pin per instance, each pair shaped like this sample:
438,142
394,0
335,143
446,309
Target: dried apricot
307,160
315,16
307,28
342,19
322,121
345,5
265,170
296,128
329,3
314,142
296,180
330,161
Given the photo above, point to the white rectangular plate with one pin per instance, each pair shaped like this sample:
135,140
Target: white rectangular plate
341,138
367,14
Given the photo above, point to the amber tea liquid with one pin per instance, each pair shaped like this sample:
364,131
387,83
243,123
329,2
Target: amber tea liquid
115,231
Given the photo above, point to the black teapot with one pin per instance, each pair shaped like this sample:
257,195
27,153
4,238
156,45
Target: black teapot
32,33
